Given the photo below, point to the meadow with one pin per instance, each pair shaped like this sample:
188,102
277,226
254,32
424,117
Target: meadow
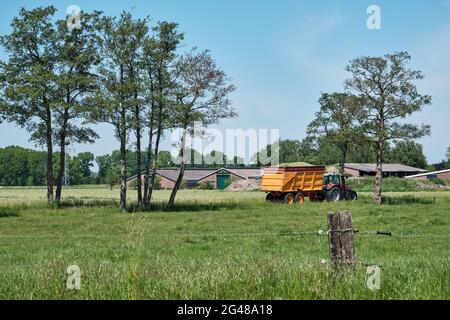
218,245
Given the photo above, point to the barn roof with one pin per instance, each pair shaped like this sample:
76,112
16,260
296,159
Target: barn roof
189,174
247,173
196,174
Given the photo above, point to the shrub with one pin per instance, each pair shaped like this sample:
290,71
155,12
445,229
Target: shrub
390,184
157,183
132,184
439,181
206,186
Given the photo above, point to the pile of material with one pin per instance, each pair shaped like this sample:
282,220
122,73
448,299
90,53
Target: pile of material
295,164
332,169
244,185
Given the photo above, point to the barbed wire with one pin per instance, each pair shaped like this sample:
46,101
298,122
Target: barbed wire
240,234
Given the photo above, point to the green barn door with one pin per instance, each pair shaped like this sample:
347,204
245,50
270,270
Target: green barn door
222,180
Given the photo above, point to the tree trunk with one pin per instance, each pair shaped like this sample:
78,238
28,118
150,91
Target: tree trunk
159,132
60,178
49,140
151,184
181,174
379,173
138,156
62,158
148,166
342,160
123,154
149,160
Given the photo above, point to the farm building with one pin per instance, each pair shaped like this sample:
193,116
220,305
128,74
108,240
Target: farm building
441,174
219,178
389,169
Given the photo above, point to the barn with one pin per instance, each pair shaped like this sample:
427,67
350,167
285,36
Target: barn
219,178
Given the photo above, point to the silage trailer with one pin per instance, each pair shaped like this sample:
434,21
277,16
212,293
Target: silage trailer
293,184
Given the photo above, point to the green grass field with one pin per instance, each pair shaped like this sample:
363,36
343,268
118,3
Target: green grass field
218,245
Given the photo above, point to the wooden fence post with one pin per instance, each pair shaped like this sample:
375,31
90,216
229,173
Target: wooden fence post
340,237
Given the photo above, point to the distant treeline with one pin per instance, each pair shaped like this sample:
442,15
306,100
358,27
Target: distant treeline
323,151
26,167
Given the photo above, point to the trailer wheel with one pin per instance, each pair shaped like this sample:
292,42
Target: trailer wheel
299,198
269,197
289,198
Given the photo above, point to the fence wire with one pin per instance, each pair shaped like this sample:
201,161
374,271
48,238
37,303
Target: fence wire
321,232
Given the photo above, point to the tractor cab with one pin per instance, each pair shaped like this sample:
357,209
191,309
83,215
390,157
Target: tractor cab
335,188
334,179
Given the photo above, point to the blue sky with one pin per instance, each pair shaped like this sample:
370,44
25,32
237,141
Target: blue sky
282,54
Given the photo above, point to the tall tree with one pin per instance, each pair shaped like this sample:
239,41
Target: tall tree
135,74
77,56
339,119
202,96
387,87
115,98
159,56
27,78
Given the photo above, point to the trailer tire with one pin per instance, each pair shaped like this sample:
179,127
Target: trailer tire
289,198
269,197
299,198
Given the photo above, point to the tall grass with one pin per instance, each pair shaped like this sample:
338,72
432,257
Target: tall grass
221,245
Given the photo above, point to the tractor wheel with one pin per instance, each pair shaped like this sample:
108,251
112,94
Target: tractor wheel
352,196
289,198
269,197
334,195
299,198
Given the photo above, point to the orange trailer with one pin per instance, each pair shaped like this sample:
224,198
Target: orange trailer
293,184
